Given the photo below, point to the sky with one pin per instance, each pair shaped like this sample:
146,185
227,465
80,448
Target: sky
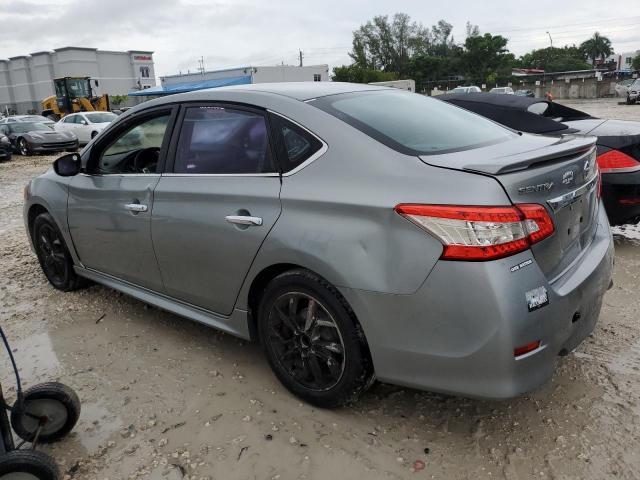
231,33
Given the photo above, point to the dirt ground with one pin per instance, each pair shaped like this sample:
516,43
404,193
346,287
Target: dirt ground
166,398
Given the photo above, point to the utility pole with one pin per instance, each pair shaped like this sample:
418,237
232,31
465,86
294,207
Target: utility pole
550,39
300,57
201,65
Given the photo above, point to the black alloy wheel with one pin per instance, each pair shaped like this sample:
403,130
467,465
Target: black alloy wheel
51,248
53,255
306,340
313,340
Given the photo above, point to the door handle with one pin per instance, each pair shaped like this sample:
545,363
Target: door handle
243,220
136,207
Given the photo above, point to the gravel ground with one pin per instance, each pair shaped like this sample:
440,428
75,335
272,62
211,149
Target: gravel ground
165,398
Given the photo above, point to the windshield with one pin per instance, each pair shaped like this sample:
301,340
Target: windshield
78,87
25,127
101,117
412,123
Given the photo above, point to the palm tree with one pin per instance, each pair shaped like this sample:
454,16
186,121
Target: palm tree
596,47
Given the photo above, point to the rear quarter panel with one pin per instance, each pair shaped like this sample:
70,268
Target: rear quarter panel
337,213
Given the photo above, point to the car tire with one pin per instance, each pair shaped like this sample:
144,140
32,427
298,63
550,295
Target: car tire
312,340
58,404
23,147
53,255
28,464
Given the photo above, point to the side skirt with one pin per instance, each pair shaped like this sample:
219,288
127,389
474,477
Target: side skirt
236,324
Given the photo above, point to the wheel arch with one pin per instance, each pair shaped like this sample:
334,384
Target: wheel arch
34,210
259,284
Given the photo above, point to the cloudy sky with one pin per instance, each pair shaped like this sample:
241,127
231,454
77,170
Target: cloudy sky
239,32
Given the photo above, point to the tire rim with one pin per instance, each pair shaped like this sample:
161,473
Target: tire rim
306,341
23,147
53,411
18,476
54,259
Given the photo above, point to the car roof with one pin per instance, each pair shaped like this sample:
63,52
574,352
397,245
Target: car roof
296,90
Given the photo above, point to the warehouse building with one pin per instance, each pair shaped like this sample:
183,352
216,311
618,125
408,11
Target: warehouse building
26,80
237,76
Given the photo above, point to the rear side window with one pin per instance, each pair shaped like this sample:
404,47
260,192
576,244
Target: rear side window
412,123
221,140
295,145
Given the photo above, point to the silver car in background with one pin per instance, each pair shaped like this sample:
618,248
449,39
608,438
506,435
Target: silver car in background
357,232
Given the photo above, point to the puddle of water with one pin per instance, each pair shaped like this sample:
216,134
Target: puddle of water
630,233
35,358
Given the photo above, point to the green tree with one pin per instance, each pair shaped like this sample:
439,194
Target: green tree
485,55
356,74
388,44
117,99
635,64
553,59
597,47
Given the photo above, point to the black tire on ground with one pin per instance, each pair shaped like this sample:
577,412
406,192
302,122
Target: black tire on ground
53,255
23,147
54,402
327,366
28,462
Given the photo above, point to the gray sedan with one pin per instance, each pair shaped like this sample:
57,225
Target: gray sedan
357,232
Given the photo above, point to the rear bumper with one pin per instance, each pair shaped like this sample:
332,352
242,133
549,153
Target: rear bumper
457,333
621,196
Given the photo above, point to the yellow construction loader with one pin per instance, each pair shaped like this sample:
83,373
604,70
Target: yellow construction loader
73,94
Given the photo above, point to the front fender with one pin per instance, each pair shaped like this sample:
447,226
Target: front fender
51,192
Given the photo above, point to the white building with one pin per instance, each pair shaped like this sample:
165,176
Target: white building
623,60
252,74
26,80
236,76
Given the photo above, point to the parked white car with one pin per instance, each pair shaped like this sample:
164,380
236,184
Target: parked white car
622,87
85,125
470,89
502,90
633,92
27,119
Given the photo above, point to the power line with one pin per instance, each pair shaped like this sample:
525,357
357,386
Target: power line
550,27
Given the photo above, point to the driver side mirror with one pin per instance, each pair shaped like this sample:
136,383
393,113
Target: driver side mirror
68,165
84,122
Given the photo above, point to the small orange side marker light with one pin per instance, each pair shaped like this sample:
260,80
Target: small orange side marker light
524,349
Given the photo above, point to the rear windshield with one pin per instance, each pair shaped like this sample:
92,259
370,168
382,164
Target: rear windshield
412,123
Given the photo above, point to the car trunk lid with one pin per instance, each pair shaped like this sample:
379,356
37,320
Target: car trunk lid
559,173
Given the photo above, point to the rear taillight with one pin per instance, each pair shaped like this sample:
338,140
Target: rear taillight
617,161
481,233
